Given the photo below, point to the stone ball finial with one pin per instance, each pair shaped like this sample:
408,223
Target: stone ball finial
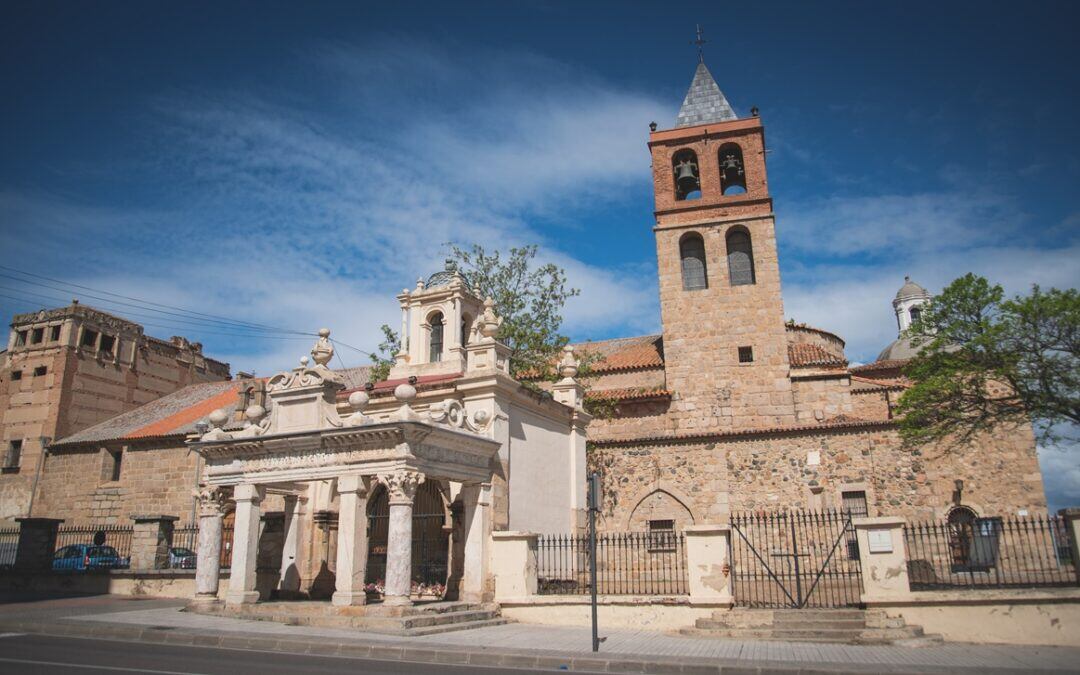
568,366
218,418
358,400
405,392
304,361
324,332
254,413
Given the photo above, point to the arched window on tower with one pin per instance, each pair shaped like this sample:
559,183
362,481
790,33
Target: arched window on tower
684,166
435,340
692,254
732,170
740,257
466,327
915,313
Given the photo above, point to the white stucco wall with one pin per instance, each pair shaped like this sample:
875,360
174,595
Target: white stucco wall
541,470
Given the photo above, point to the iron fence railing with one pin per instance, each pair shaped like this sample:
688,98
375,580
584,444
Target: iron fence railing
116,536
627,563
795,559
990,552
9,545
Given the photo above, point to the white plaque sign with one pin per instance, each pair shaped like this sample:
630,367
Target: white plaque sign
813,458
880,541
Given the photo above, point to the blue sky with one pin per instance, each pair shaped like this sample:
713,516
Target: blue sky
298,166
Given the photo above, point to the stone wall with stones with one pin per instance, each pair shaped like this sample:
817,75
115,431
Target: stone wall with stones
811,469
821,397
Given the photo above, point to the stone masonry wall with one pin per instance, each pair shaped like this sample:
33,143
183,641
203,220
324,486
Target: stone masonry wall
811,469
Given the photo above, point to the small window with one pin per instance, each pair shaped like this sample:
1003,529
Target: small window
854,504
117,458
40,370
89,338
915,314
13,455
20,338
54,333
661,535
37,336
16,375
107,343
746,354
436,342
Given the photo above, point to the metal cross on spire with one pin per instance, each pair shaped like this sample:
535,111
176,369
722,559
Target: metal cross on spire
700,42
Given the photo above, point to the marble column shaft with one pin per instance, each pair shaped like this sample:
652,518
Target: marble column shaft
401,487
208,549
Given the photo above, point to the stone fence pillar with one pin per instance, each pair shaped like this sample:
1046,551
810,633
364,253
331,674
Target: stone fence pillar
883,558
707,566
151,539
1072,522
513,560
37,543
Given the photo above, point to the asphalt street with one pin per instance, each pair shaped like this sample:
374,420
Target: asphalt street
32,654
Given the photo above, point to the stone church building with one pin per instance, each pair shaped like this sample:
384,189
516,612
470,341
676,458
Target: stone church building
730,408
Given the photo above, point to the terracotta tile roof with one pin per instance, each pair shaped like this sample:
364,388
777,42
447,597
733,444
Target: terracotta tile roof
891,364
621,354
422,382
802,355
187,416
845,422
630,394
861,384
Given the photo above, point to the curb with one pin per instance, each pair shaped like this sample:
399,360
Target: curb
450,655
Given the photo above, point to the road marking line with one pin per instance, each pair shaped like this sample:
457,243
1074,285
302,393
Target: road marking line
4,635
94,667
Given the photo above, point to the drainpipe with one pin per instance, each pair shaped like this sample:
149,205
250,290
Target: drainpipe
45,441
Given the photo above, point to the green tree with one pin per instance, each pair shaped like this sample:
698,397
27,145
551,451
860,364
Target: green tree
986,360
528,296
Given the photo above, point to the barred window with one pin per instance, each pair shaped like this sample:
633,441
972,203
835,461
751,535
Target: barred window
661,535
694,270
13,455
740,255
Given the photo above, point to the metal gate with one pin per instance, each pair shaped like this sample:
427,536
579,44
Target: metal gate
796,559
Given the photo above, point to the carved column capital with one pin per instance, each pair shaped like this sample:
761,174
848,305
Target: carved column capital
401,485
212,500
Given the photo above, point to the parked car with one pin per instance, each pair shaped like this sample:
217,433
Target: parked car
88,557
181,558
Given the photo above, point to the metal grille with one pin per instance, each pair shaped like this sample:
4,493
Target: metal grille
9,545
627,563
692,252
795,559
995,552
117,536
740,256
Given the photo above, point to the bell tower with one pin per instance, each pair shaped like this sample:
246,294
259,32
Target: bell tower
725,345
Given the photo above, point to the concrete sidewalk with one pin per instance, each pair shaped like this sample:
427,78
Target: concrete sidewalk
519,645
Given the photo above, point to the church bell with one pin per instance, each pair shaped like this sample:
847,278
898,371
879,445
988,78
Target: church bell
686,177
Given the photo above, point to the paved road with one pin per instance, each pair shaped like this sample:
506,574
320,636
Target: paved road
33,654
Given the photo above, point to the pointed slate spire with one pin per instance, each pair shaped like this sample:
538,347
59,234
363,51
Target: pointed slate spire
704,102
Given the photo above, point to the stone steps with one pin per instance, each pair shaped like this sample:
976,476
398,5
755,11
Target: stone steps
424,619
850,626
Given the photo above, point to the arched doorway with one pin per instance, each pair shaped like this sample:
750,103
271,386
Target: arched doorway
430,536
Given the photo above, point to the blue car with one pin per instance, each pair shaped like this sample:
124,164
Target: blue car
88,557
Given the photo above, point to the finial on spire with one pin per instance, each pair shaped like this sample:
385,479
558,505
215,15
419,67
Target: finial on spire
700,42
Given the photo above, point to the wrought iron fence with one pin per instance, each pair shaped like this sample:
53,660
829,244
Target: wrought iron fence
994,552
795,559
116,536
9,545
226,547
627,563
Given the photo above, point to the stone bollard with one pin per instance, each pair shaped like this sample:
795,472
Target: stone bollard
513,556
707,566
37,543
883,558
1072,523
151,539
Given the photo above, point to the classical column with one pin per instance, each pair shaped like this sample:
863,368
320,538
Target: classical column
289,582
208,550
352,546
248,498
477,502
401,488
